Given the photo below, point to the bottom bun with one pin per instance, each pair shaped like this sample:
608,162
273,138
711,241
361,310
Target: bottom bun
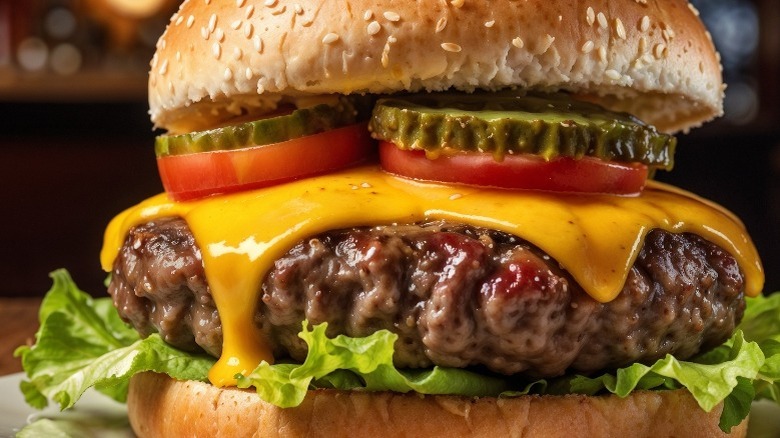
159,406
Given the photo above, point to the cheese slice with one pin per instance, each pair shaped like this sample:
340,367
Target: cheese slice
596,238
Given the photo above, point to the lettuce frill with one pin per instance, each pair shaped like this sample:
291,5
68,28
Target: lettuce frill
83,343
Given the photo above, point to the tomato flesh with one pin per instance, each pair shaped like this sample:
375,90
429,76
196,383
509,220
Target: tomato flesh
192,176
528,172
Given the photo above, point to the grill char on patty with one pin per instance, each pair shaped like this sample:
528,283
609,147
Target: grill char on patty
456,295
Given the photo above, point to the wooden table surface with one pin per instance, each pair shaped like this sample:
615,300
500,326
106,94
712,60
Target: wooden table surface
18,323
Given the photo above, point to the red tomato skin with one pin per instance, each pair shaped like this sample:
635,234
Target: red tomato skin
525,172
192,176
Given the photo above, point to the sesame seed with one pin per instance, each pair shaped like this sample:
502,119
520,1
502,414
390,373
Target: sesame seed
237,53
190,20
248,29
602,20
204,33
179,19
249,11
455,196
216,49
612,74
603,54
298,9
451,47
658,50
258,42
219,34
212,23
163,43
228,74
235,25
490,23
386,53
391,16
621,31
373,28
279,11
441,24
693,9
208,2
518,42
457,3
240,3
366,185
548,40
330,38
164,68
644,24
590,16
248,73
269,3
170,88
369,14
587,47
642,44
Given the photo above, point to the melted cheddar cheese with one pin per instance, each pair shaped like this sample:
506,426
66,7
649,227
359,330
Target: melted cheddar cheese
596,238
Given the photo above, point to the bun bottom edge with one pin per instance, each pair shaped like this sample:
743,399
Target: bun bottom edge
159,406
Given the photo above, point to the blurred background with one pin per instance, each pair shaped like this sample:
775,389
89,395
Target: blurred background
76,144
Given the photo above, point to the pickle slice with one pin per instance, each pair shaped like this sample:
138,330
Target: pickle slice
298,123
506,123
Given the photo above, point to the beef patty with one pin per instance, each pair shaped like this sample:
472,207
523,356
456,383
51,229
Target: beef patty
456,295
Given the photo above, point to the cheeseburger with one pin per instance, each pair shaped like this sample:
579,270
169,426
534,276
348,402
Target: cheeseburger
423,218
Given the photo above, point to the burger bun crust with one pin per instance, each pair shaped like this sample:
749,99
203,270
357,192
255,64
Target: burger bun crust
225,58
163,407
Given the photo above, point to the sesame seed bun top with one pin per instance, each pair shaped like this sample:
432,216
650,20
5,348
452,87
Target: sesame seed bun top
222,58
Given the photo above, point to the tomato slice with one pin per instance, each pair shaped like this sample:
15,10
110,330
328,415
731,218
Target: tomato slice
563,174
192,176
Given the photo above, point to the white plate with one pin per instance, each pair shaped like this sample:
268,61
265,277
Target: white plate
94,415
99,416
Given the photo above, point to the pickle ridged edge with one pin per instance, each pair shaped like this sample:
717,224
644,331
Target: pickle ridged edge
299,123
502,124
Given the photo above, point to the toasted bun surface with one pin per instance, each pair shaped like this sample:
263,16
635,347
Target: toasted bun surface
220,58
161,407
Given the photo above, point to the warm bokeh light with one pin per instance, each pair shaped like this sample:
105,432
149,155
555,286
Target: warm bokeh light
734,26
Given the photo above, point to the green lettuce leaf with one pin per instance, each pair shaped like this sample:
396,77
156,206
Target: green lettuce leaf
709,383
746,367
370,363
761,320
761,324
82,343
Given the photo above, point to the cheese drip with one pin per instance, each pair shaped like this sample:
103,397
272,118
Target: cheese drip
596,238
